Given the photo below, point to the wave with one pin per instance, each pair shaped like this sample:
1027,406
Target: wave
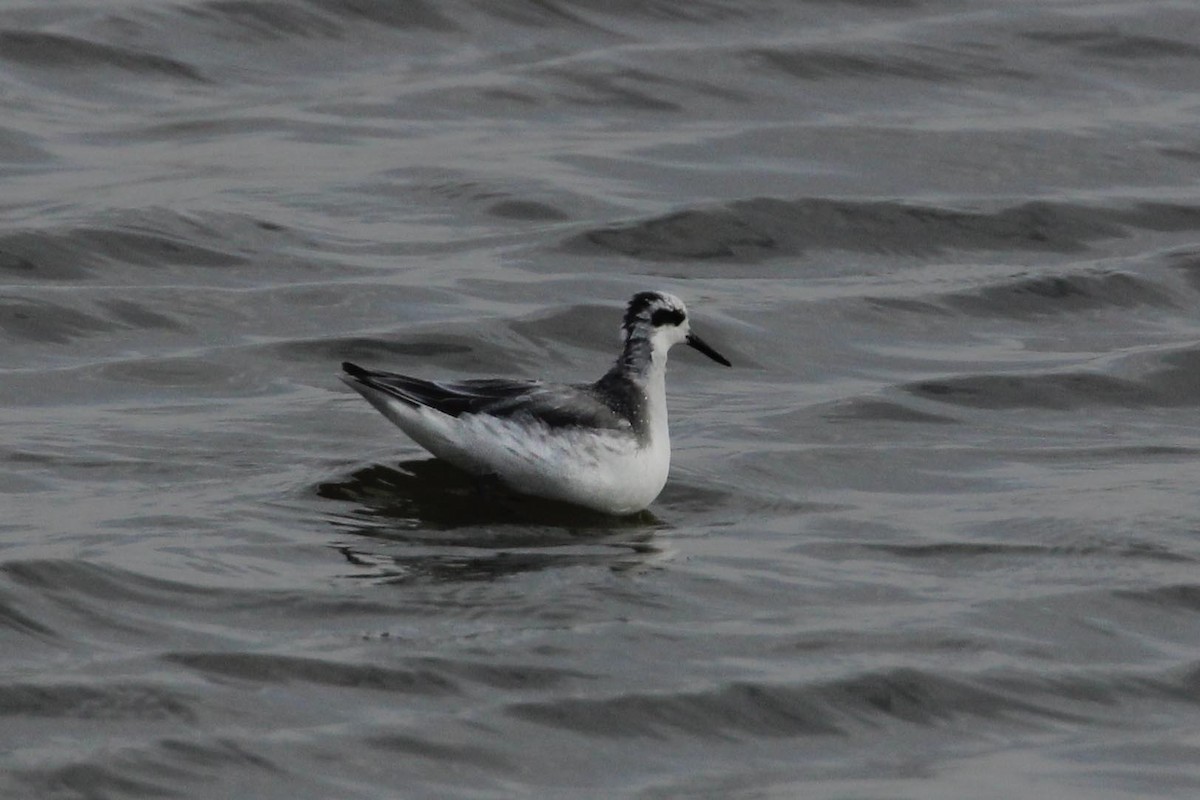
44,321
1060,391
330,350
58,51
425,676
93,701
1176,383
1003,550
147,238
762,227
266,21
477,345
247,20
1025,297
442,753
1182,596
1109,44
527,211
411,14
57,323
277,669
858,703
915,62
1186,262
14,620
88,580
314,19
878,410
169,766
97,589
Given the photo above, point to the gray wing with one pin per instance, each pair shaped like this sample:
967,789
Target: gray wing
557,406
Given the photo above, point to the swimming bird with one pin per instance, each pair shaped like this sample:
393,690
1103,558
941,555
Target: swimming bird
603,445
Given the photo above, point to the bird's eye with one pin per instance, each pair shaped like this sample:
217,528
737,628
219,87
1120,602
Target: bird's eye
666,316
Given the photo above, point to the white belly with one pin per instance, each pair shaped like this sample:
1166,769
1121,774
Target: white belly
608,471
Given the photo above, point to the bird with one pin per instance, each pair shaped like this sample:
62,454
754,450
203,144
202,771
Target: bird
604,446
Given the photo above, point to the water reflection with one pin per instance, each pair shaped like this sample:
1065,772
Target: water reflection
424,519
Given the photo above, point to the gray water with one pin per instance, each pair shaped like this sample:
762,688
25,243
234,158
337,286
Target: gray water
934,536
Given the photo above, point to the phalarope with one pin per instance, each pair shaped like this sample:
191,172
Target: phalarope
603,445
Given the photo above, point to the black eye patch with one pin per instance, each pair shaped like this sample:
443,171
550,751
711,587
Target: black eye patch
667,316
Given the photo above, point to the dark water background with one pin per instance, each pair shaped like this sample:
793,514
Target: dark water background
937,535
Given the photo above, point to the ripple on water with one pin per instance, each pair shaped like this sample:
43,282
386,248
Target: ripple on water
1176,383
42,50
865,705
114,701
941,509
764,227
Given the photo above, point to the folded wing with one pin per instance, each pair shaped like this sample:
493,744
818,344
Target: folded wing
556,406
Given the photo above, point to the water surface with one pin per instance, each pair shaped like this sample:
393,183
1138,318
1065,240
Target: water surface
933,537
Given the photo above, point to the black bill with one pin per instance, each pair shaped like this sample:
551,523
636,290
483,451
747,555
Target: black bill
695,341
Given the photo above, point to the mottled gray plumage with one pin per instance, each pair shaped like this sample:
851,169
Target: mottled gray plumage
607,404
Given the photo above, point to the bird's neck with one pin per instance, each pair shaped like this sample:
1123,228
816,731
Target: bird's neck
643,368
640,361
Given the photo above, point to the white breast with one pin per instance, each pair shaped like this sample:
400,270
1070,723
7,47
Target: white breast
610,471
